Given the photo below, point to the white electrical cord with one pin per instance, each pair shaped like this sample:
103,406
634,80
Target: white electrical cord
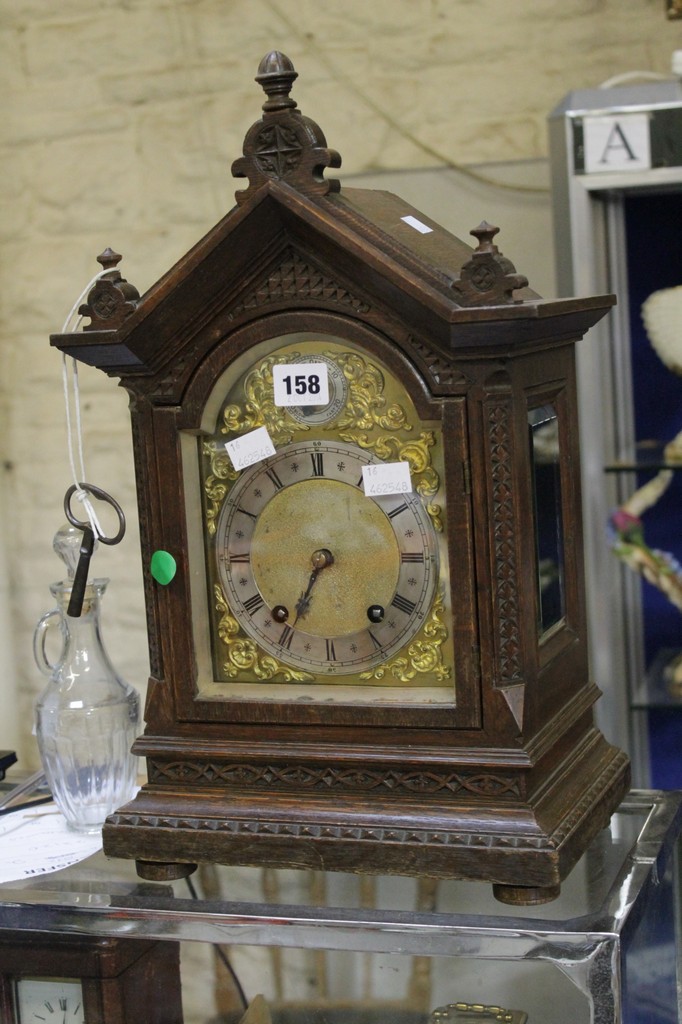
633,76
72,394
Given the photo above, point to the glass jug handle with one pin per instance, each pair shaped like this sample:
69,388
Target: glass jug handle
39,640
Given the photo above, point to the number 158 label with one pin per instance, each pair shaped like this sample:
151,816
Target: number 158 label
300,384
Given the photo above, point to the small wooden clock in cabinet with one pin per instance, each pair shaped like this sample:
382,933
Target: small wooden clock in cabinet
356,438
74,979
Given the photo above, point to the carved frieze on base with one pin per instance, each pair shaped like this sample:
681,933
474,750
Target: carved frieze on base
535,848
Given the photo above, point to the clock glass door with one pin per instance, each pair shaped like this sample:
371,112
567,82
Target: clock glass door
324,561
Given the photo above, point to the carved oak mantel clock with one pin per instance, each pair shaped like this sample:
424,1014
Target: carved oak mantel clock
356,437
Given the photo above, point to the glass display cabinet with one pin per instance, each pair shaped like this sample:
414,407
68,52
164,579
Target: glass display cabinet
616,161
327,948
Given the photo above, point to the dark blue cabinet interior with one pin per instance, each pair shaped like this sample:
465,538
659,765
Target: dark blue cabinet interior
653,225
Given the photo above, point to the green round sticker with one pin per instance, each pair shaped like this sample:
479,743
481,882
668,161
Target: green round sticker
163,567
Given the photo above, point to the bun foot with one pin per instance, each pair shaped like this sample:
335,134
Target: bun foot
151,871
525,895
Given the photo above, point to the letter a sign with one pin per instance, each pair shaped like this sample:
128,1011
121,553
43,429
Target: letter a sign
617,143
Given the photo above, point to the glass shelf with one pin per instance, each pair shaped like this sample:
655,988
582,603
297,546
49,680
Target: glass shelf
617,915
646,458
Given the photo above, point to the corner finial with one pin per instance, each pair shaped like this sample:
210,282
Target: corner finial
108,259
485,233
488,278
112,299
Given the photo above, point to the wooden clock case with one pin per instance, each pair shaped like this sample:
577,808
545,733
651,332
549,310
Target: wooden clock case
125,981
510,780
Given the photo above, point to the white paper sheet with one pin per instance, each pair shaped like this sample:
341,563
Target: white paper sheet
36,841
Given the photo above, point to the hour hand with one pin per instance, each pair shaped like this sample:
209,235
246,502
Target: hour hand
320,559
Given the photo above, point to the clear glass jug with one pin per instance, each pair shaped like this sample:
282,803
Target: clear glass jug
87,717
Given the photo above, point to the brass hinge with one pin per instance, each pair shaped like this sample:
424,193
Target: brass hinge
466,474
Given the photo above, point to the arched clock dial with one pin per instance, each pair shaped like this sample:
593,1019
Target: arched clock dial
321,576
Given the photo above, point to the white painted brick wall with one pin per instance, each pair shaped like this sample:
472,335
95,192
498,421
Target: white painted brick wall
119,124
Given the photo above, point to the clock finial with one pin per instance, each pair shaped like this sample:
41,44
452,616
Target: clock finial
276,74
284,145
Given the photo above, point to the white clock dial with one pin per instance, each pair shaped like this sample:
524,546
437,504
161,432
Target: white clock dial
49,1001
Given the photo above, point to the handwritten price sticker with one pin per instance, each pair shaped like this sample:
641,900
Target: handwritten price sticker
386,478
249,448
300,384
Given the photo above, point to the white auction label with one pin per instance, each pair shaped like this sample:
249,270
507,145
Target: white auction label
249,448
386,478
418,225
300,383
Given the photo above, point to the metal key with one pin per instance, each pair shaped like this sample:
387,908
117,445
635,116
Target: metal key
80,579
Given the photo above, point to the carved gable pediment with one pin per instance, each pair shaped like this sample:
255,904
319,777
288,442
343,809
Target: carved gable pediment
299,279
294,239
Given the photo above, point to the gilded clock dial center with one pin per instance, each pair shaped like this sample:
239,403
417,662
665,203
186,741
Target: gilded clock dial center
306,557
330,592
